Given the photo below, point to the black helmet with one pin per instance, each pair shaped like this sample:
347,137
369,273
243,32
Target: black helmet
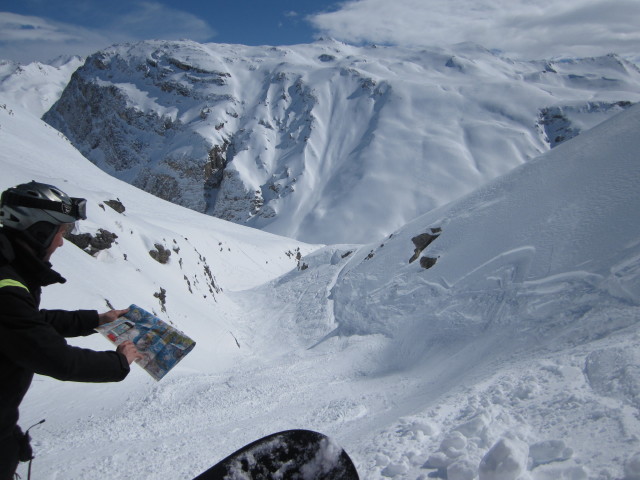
37,210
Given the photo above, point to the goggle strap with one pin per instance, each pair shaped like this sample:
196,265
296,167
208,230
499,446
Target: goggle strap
77,208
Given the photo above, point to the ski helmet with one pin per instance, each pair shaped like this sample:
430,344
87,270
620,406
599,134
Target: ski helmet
36,210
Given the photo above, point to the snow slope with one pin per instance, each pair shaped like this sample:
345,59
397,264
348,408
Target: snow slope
532,305
513,357
37,86
326,142
207,256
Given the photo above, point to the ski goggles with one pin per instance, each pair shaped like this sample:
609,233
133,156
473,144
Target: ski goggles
76,209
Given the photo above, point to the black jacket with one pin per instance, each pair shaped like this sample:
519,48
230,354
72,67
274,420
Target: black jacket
32,340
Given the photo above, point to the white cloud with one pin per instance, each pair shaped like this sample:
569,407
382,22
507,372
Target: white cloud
28,38
154,20
14,27
522,28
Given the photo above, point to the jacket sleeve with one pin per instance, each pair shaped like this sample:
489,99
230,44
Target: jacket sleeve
72,324
29,340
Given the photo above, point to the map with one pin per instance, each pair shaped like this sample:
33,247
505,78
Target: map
161,345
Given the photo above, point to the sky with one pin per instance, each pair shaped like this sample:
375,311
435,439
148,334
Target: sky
527,29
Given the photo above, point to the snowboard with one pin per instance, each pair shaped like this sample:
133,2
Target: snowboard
290,455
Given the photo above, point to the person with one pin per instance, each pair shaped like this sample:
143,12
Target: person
34,218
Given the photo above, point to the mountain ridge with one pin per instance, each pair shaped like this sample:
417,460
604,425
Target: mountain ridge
494,337
294,140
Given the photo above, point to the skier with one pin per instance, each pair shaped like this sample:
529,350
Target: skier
34,219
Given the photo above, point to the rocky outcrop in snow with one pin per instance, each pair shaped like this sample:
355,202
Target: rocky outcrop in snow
563,123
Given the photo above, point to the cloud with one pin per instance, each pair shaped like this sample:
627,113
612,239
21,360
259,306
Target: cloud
521,28
27,38
15,28
155,20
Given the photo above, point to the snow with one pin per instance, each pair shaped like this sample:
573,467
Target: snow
37,86
515,356
318,137
506,460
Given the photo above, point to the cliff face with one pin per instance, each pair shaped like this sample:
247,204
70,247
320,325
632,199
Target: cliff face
117,111
311,141
562,123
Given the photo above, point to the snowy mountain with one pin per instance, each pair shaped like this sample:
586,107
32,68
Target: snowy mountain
37,86
525,296
310,141
129,232
493,338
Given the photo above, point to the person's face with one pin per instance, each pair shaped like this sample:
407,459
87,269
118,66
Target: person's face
57,242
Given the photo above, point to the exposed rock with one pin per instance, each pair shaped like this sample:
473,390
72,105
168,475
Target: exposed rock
428,262
162,297
116,205
118,135
160,254
186,279
159,184
422,241
92,244
326,58
557,123
216,164
209,277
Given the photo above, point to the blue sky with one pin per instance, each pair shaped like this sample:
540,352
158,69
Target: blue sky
43,29
227,21
71,25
